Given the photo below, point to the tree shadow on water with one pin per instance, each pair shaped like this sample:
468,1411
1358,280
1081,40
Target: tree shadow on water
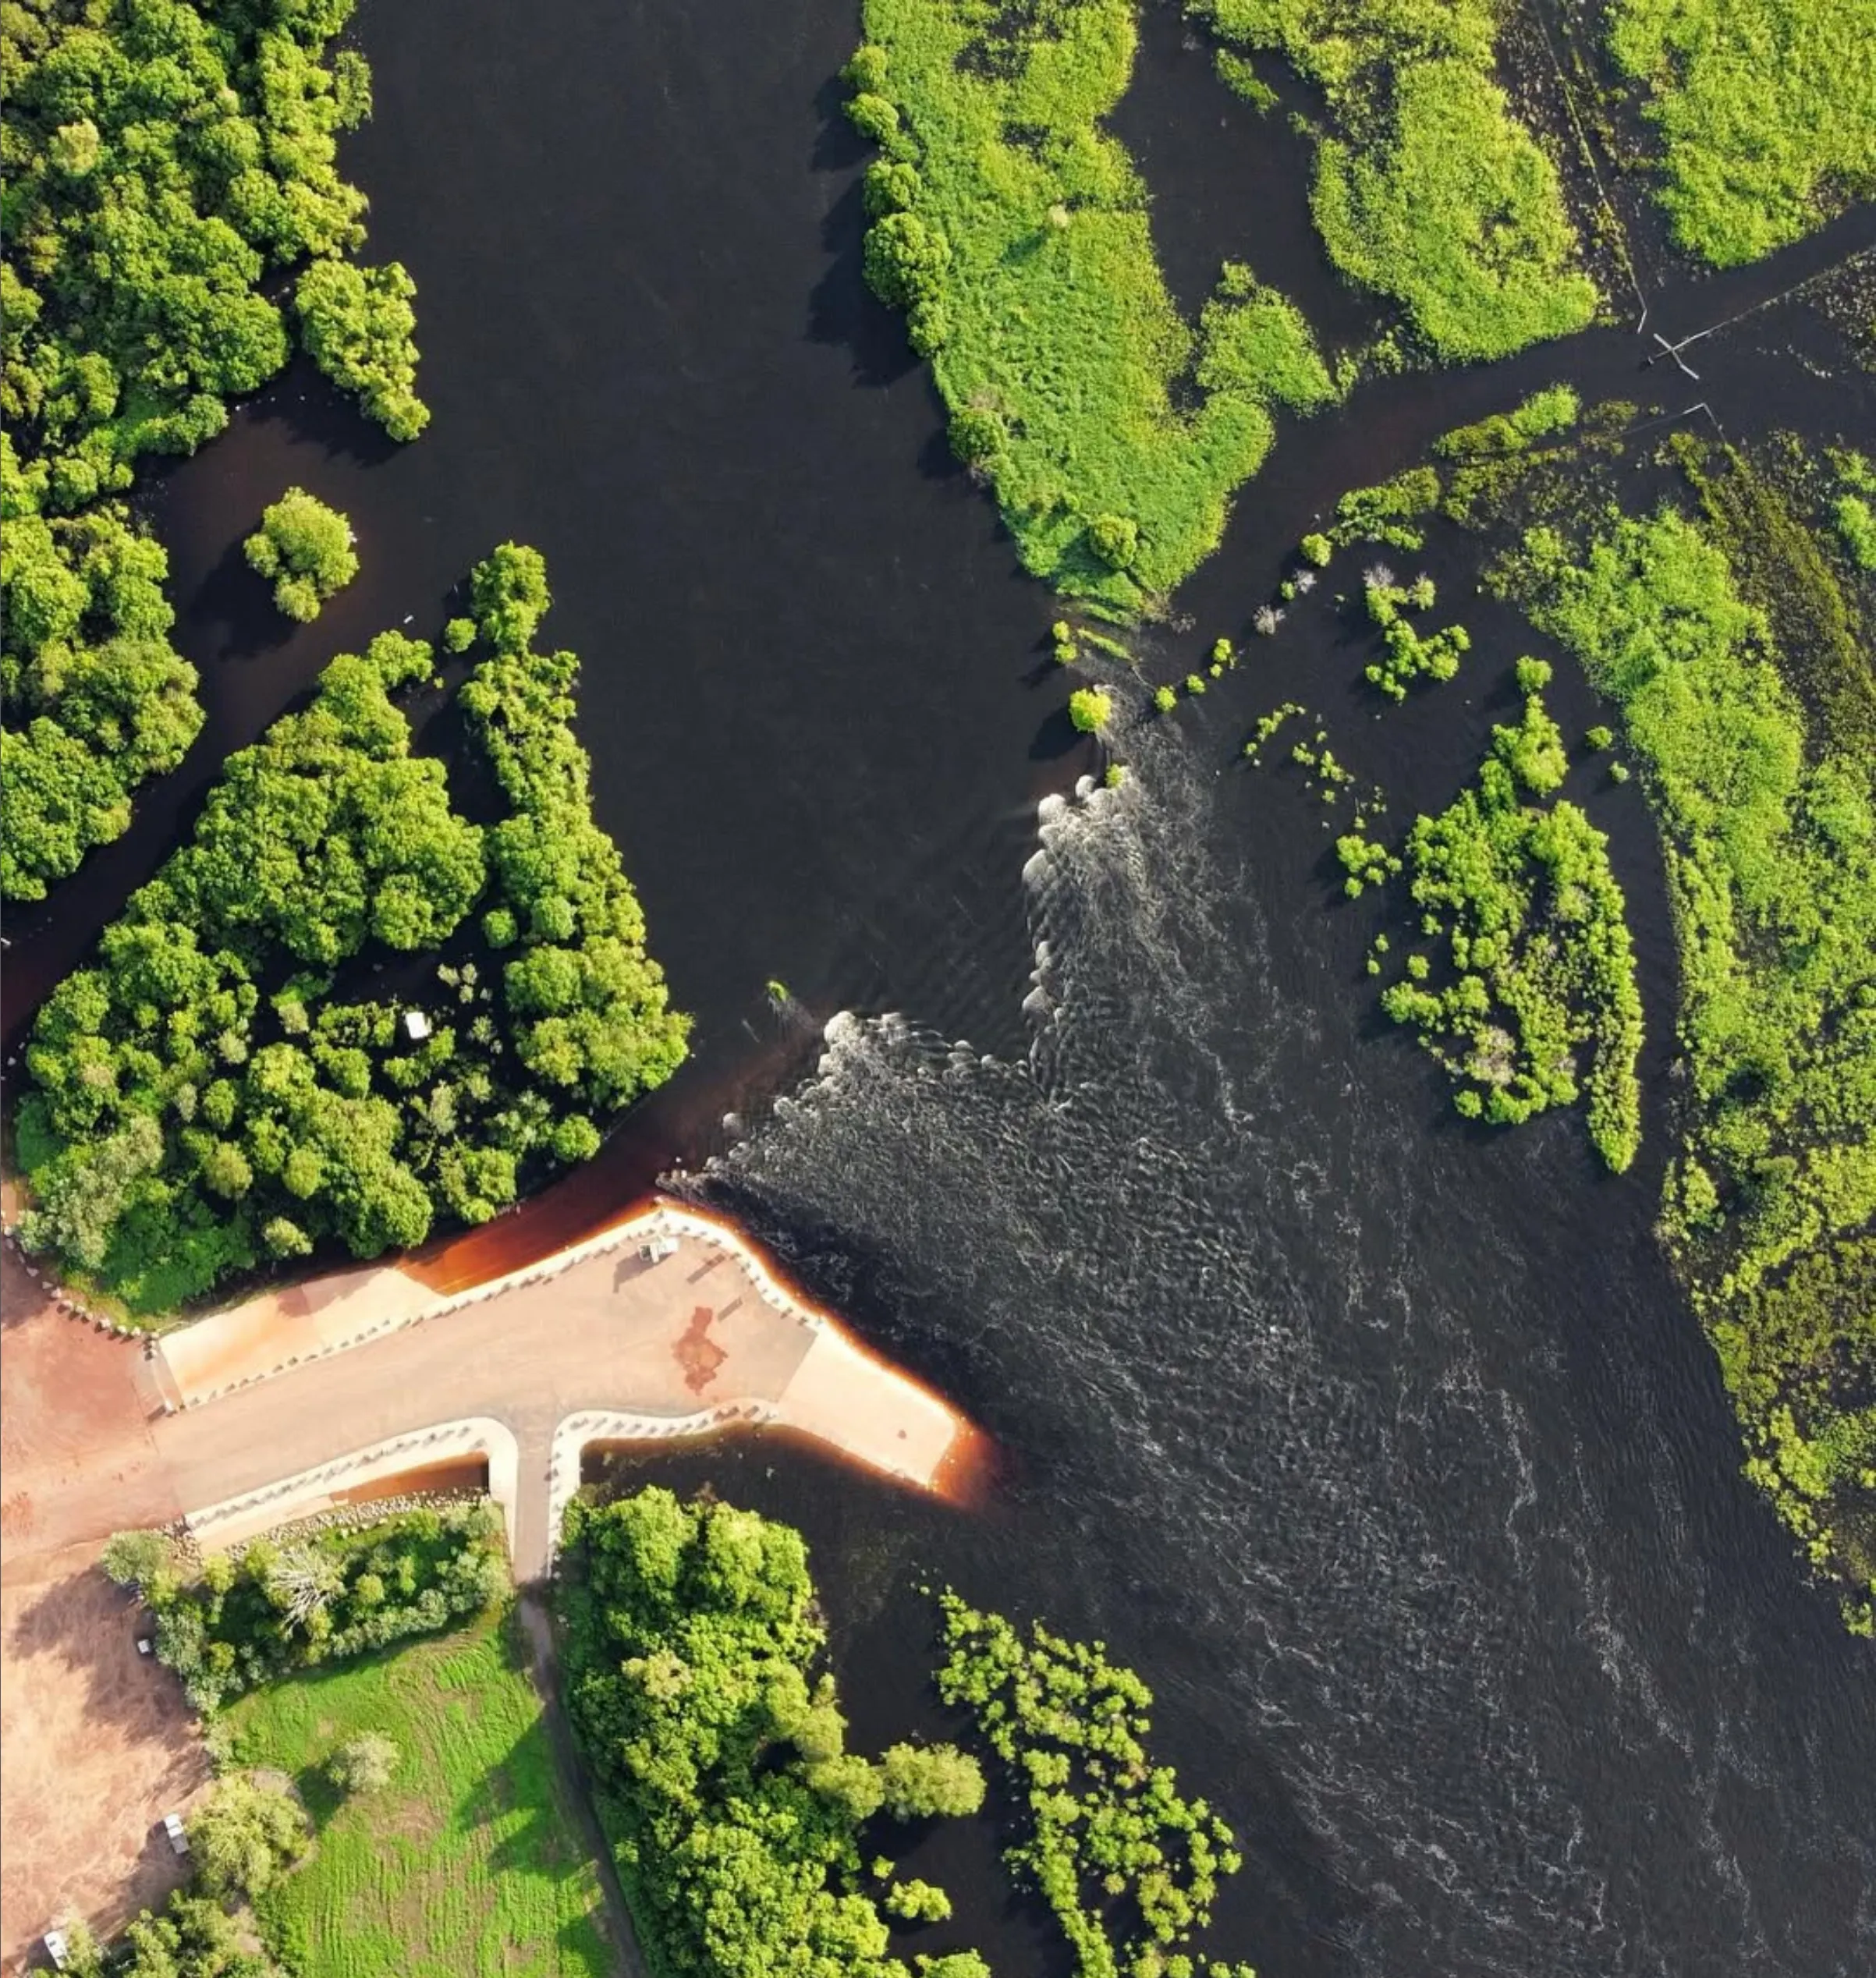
1055,738
239,602
842,310
315,412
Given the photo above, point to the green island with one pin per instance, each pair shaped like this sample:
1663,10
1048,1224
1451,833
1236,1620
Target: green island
1429,188
165,159
1769,822
305,549
1130,1867
218,1087
1540,963
1014,232
1762,109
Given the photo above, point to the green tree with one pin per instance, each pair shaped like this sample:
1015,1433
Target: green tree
916,1902
358,327
922,1780
243,1835
306,548
137,1559
364,1764
1090,709
1114,539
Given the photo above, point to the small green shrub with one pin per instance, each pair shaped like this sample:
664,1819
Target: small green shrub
1090,709
364,1764
1114,539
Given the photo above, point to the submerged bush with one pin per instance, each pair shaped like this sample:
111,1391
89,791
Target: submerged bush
1069,1728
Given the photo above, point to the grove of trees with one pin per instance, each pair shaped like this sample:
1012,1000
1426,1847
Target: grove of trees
306,548
241,1619
218,1087
162,158
733,1806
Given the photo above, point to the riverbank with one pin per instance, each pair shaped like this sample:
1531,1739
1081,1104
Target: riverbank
284,1403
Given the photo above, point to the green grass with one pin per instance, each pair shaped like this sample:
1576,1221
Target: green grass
1765,113
1537,968
1428,187
1014,230
469,1863
1769,822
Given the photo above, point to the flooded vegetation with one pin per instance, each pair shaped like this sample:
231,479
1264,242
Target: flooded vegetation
1133,567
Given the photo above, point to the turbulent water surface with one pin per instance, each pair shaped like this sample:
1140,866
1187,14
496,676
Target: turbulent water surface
1383,1450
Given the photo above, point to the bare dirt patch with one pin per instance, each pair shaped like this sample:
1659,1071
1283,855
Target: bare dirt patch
100,1745
99,1742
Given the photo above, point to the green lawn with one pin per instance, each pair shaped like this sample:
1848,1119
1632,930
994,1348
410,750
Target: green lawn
470,1861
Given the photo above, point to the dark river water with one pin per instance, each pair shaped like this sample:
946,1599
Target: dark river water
1385,1450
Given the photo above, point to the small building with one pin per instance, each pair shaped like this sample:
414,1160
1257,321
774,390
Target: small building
417,1026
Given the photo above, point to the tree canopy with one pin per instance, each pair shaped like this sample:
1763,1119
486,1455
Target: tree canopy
162,158
731,1802
306,548
216,1088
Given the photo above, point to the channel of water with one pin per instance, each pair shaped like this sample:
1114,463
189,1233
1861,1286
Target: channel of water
1387,1451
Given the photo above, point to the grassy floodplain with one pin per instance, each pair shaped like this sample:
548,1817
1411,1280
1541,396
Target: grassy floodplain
1014,231
468,1864
1428,187
1768,809
1764,109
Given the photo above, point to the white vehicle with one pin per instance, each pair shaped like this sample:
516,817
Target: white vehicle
56,1948
172,1826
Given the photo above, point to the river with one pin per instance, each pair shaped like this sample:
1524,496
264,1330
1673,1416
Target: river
1386,1450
